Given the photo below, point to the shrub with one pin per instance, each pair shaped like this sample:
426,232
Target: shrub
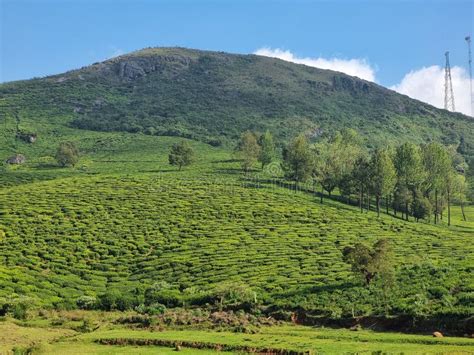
421,208
164,294
16,306
86,302
234,296
114,299
152,309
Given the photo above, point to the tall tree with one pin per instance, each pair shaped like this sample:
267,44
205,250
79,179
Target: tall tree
181,154
361,178
459,188
267,151
326,167
410,172
438,166
297,159
249,150
335,159
383,175
348,144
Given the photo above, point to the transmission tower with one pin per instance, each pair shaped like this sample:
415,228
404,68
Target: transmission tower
448,86
468,40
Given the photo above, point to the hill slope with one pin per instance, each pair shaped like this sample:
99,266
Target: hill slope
214,96
125,221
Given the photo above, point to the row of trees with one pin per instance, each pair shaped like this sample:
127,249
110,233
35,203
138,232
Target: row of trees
415,180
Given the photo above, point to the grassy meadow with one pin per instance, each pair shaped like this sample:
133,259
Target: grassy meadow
59,334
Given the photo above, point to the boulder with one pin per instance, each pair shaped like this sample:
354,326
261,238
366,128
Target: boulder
16,159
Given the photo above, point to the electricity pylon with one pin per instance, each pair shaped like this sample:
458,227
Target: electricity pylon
448,86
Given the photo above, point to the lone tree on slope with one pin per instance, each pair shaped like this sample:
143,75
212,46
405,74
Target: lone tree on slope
67,154
181,154
370,262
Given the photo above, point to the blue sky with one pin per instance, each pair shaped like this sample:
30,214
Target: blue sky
391,37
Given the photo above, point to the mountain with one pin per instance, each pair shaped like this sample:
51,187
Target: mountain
214,96
122,229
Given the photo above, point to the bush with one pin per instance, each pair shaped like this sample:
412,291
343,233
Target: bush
164,294
152,309
86,302
234,296
116,300
16,306
421,208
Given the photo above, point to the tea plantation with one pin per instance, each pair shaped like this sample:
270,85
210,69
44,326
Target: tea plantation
124,220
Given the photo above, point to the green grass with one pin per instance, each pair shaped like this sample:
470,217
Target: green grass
46,339
12,335
300,338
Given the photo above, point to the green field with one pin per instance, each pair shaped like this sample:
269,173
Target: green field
49,339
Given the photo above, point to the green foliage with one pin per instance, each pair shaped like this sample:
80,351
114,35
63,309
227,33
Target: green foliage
335,160
297,159
181,154
249,150
151,309
421,207
16,306
86,302
164,294
179,92
234,296
383,175
114,299
408,162
369,262
67,154
267,151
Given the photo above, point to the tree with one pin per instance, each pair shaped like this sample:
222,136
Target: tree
267,149
335,160
67,154
249,150
410,173
383,175
297,159
181,154
402,198
370,262
361,177
438,165
459,188
421,207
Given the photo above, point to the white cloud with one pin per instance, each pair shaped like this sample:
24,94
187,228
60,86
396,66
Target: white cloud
427,84
354,67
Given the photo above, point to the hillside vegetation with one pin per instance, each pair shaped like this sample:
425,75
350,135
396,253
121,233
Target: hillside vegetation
214,96
117,226
133,196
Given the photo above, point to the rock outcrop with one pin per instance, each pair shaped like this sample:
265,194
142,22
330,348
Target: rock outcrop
16,159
